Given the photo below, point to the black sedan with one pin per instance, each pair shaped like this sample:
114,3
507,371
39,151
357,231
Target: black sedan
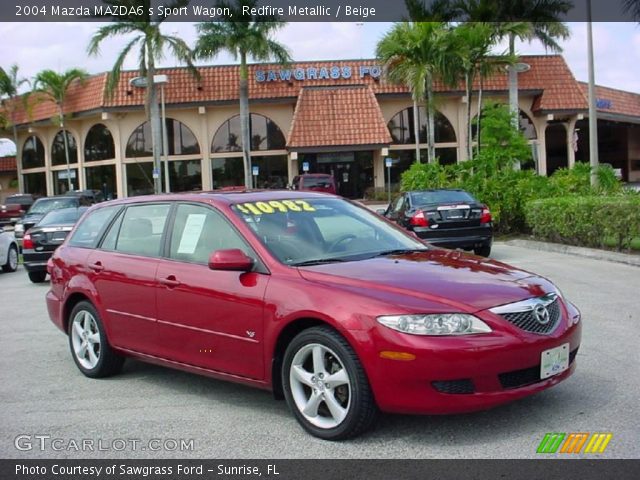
447,218
41,240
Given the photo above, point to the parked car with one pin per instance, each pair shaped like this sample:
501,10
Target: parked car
8,251
315,182
447,218
312,296
14,208
42,239
44,205
90,196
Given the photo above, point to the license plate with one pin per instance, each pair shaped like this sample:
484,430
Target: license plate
59,236
554,361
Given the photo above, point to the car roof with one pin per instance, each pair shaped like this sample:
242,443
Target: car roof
222,197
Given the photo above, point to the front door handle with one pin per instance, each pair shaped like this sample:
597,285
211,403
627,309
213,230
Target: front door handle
170,281
96,267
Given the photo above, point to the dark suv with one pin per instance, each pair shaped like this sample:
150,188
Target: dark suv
44,205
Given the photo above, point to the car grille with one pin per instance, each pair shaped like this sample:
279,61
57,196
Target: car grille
456,387
527,320
526,376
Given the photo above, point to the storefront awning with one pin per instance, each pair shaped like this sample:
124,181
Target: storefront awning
337,117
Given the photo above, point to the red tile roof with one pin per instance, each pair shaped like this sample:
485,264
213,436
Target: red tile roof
549,75
337,116
8,164
615,101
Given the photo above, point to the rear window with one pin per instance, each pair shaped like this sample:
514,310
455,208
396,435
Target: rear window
440,196
92,227
45,205
316,182
64,216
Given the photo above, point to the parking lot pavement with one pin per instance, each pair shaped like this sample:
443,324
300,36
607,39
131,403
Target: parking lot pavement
43,393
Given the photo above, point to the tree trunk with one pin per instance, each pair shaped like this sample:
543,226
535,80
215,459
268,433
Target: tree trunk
479,116
156,122
416,129
244,120
66,146
513,91
468,79
431,150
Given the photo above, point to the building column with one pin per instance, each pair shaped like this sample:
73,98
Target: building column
542,150
292,166
571,153
378,168
120,148
205,148
19,165
462,129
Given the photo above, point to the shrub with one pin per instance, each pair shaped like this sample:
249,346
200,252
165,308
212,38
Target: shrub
586,220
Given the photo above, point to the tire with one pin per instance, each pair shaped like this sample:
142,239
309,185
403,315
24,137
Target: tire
483,251
12,260
87,334
335,412
37,277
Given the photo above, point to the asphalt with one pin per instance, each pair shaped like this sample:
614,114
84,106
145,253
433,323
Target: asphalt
43,393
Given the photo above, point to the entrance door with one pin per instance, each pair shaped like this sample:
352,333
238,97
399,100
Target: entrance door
353,171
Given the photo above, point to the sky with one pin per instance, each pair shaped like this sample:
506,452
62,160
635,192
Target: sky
59,46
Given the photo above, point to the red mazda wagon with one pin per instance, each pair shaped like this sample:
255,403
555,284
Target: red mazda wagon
311,296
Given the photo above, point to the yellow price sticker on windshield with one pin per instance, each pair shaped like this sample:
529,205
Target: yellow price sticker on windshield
274,206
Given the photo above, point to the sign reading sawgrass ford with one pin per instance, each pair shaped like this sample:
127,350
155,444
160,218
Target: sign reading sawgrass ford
334,72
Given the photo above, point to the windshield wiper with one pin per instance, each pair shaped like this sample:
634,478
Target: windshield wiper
317,261
399,251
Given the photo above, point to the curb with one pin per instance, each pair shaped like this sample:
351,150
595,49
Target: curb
595,254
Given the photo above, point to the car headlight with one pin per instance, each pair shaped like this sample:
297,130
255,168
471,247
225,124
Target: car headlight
435,324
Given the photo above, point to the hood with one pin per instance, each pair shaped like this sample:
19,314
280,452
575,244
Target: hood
448,277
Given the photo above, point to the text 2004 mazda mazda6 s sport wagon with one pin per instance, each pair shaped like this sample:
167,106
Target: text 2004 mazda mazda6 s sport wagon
311,296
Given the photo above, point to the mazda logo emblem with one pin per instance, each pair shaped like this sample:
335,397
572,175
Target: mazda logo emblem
541,314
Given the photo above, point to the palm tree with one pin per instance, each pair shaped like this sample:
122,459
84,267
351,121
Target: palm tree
150,43
243,36
54,86
414,54
10,85
542,19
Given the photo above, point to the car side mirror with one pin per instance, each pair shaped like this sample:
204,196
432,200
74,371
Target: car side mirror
381,211
232,259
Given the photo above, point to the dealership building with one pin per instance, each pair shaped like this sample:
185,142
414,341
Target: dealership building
339,117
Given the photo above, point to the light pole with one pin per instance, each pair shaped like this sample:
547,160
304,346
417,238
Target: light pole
141,82
593,113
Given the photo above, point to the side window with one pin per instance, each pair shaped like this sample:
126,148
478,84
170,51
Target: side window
198,231
141,230
90,230
110,239
397,207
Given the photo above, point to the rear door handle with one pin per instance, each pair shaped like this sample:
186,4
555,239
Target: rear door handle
96,267
170,281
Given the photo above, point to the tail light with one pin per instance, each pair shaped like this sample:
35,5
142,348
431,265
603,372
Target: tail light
486,215
419,219
27,242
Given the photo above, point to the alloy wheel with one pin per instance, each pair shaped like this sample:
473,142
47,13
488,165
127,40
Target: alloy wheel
85,338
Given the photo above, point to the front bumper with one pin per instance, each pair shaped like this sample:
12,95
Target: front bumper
467,373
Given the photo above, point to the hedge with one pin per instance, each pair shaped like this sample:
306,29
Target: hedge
586,220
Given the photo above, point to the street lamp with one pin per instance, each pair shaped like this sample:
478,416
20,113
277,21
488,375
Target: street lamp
141,82
593,112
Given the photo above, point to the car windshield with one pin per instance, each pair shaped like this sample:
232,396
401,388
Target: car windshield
45,205
308,182
63,216
323,230
440,196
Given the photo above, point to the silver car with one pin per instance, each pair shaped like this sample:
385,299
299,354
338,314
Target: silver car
8,251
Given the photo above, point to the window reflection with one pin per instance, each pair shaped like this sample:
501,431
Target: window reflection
99,144
264,134
58,156
401,127
33,153
180,139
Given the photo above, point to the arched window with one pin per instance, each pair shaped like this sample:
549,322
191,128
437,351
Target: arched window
402,129
32,153
180,138
264,133
58,156
99,144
